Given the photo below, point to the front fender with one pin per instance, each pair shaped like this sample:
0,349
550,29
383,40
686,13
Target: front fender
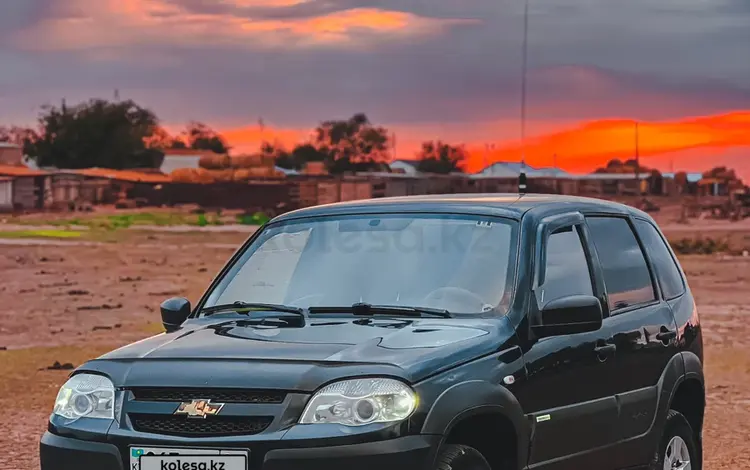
477,397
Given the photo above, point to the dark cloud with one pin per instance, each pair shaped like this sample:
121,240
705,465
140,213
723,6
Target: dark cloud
608,58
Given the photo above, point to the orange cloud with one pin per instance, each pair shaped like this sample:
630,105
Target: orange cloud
262,3
249,139
591,144
697,143
97,24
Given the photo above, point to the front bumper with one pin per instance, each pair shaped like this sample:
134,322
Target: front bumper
409,452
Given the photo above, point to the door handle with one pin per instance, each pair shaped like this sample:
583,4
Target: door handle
604,351
665,336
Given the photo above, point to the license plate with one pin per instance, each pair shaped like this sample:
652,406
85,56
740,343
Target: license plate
161,458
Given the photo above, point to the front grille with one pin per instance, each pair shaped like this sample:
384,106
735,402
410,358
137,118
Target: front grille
216,395
199,427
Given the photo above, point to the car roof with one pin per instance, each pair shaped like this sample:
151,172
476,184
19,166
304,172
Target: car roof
494,204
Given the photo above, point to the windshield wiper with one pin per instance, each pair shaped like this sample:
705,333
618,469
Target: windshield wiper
238,306
362,308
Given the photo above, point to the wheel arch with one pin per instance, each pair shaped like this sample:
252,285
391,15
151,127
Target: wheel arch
689,393
475,401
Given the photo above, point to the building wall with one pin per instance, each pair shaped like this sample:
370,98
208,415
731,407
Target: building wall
24,192
173,162
11,155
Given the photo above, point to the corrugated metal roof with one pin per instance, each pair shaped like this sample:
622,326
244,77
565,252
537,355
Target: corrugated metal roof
407,161
610,176
14,170
121,175
384,174
286,171
691,177
513,169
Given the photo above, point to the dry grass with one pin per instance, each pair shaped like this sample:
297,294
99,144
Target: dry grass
44,287
27,392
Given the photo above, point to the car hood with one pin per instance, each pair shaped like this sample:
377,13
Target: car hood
234,352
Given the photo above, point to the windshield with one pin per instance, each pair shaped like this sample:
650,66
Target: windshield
463,264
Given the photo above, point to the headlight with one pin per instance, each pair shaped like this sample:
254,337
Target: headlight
86,396
361,401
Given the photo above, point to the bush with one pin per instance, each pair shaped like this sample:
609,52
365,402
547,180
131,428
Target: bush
257,218
699,246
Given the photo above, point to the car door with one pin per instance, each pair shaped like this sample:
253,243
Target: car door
567,396
640,320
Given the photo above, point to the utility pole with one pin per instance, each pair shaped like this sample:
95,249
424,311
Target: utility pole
637,161
522,173
261,128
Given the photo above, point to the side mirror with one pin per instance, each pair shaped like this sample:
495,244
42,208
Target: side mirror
174,312
570,315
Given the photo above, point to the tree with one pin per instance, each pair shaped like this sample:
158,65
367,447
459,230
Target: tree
351,145
280,156
200,136
95,133
628,166
439,157
299,156
161,139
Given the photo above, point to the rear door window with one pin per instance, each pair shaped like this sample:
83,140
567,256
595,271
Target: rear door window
566,267
670,278
626,274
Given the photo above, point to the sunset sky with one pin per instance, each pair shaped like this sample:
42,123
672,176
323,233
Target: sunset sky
426,69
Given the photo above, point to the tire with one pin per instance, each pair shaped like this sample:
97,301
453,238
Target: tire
461,457
676,445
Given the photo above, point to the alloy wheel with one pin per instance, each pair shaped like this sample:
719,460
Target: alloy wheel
677,455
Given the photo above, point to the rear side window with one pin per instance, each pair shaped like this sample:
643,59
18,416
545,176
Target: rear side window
566,267
626,274
666,268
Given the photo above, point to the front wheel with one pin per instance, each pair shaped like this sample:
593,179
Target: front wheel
460,457
677,448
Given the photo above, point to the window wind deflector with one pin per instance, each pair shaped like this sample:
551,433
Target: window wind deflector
247,307
365,309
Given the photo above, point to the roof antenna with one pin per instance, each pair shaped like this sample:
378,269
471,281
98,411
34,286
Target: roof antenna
522,173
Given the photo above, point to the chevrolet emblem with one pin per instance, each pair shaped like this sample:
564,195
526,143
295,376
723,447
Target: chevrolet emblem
198,408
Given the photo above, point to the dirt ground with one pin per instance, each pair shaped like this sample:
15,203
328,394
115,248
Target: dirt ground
71,302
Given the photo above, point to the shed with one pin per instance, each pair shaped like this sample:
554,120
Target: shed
130,176
106,185
29,186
